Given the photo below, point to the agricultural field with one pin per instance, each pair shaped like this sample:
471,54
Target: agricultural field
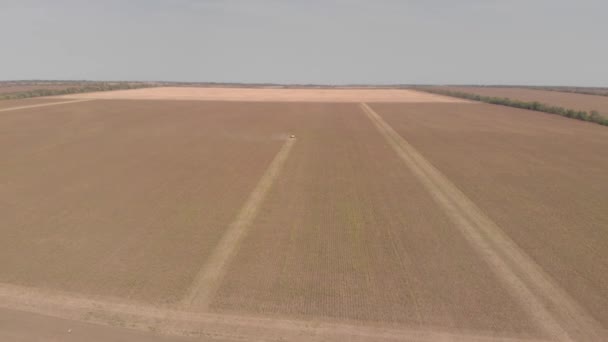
222,214
559,221
367,223
568,100
269,95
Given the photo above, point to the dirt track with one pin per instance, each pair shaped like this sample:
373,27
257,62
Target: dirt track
402,221
5,104
42,104
349,234
19,326
541,178
211,274
554,312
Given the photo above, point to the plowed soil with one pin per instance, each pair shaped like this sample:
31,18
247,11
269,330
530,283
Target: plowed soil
124,198
422,218
348,233
542,178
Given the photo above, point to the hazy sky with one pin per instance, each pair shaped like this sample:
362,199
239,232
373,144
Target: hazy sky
308,41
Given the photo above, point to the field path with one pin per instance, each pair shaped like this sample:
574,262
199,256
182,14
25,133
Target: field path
43,105
552,310
23,305
210,276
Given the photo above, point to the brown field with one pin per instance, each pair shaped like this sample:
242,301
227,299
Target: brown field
374,241
99,187
543,180
413,218
269,95
555,98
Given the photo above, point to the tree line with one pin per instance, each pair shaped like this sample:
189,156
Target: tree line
592,116
73,90
574,90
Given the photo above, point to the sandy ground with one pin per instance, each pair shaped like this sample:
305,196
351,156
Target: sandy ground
468,222
265,95
562,99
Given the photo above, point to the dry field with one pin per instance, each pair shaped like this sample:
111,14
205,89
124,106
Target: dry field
177,214
555,98
376,248
269,95
541,179
102,188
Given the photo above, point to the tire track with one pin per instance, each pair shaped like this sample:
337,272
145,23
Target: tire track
210,326
43,105
551,308
210,276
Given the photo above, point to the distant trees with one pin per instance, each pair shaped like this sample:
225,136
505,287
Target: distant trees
575,90
75,90
593,116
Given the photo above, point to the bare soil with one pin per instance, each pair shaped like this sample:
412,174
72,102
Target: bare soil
349,234
551,308
540,177
125,198
272,95
110,210
19,326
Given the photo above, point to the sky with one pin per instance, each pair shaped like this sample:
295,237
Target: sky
532,42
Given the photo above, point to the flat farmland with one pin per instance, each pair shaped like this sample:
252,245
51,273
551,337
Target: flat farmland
300,215
269,95
542,178
555,98
124,199
348,233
